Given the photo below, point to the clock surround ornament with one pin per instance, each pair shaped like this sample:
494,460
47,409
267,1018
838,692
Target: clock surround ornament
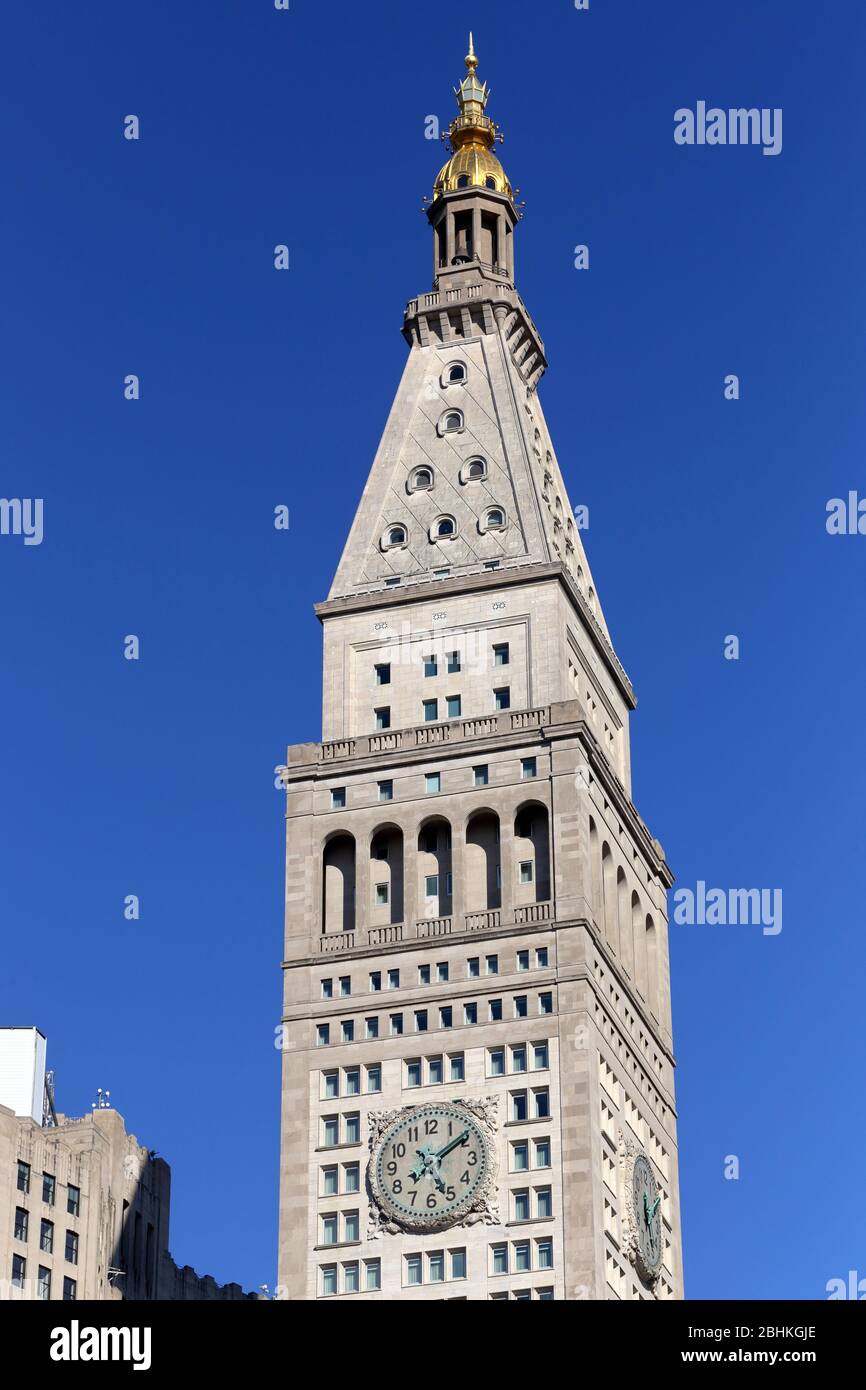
444,1153
642,1227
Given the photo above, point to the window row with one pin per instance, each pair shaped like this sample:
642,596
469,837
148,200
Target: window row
437,973
533,1104
340,1228
523,1296
523,1154
46,1235
531,1204
502,1061
434,1267
443,528
423,1019
49,1188
43,1281
353,1276
432,1071
340,1129
521,1256
339,1179
630,931
431,713
347,1081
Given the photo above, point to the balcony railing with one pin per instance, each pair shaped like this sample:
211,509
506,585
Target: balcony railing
426,927
448,731
434,926
480,921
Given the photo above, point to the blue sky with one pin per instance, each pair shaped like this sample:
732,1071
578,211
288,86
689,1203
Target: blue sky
707,518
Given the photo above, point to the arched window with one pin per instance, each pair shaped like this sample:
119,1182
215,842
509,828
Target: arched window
638,933
652,959
444,528
338,884
476,469
608,874
463,181
494,519
435,885
456,373
386,876
489,182
421,480
481,863
473,470
626,950
452,421
394,536
532,854
595,873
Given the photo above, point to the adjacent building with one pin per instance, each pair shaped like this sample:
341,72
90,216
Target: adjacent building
478,1082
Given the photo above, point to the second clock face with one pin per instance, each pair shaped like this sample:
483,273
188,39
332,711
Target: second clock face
429,1166
646,1207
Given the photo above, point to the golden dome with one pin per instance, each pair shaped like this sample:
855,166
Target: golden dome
472,136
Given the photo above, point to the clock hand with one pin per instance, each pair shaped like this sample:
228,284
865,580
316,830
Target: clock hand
427,1158
655,1207
461,1139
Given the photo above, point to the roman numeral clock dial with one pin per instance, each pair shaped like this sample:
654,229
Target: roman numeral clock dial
430,1166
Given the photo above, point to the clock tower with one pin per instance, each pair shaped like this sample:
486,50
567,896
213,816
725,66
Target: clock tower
478,1096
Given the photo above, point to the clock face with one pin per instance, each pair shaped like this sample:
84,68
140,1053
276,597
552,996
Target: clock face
430,1166
647,1203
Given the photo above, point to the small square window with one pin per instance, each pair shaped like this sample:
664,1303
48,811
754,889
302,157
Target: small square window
338,798
495,1007
470,1013
381,894
347,1030
383,673
522,960
442,972
541,958
545,1003
499,1261
423,974
373,1274
520,1006
497,1061
431,711
446,1017
520,1204
544,1256
329,1181
431,666
396,1025
323,1035
541,1099
436,1267
453,660
353,1129
519,1157
431,885
539,1056
456,1067
435,1071
543,1201
351,1226
328,1276
458,1264
491,965
420,1020
331,1084
413,1269
327,989
374,1078
453,704
518,1105
502,697
500,654
375,981
413,1073
522,1259
345,986
473,967
541,1154
383,717
528,768
518,1058
371,1028
386,790
393,979
351,1277
480,775
526,871
353,1082
432,782
330,1131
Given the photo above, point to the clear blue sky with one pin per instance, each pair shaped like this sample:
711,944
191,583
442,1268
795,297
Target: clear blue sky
707,518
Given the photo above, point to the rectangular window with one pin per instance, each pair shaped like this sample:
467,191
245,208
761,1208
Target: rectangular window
352,1177
526,871
431,885
470,1013
351,1226
522,1258
329,1181
519,1157
497,1061
528,768
456,1066
458,1264
453,660
518,1057
353,1082
375,981
491,965
499,1260
338,798
541,1155
19,1271
446,1016
544,1255
545,1003
373,1274
541,958
520,1006
413,1269
436,1267
374,1078
542,1103
495,1007
381,895
329,1280
383,673
351,1277
23,1176
347,1030
22,1223
345,986
48,1188
502,697
71,1248
520,1204
323,1035
371,1028
539,1056
442,972
383,717
386,790
43,1286
522,960
480,775
432,782
473,967
431,711
453,706
330,1131
396,1025
420,1020
327,989
393,979
431,666
70,1290
543,1201
353,1129
500,654
413,1073
518,1105
331,1085
423,974
435,1073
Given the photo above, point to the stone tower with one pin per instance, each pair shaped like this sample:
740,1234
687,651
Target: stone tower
475,911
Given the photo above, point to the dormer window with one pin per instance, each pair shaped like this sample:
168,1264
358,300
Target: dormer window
444,528
451,422
473,470
489,182
420,480
463,181
493,519
394,537
456,374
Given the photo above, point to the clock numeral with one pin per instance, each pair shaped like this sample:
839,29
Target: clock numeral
431,1126
431,1201
413,1135
465,1177
391,1168
472,1159
449,1194
413,1196
398,1150
397,1186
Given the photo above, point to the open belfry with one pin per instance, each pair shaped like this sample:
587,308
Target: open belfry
478,1095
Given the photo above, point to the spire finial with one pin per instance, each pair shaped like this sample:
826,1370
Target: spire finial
471,60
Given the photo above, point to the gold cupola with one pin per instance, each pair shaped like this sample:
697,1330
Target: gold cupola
472,136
